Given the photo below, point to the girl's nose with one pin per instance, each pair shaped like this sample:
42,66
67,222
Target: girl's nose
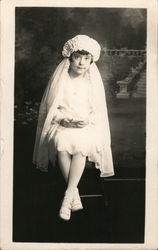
81,60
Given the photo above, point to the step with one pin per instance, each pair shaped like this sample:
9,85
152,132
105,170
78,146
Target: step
137,95
143,76
141,88
141,92
141,83
142,79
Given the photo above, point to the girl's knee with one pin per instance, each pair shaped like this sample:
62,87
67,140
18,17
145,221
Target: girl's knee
79,156
63,153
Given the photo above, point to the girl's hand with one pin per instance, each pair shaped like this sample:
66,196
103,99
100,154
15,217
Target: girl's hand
67,123
81,124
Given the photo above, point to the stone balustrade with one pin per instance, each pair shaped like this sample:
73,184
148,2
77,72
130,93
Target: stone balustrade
124,52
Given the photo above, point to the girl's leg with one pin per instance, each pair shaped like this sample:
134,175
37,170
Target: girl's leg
64,160
76,169
72,170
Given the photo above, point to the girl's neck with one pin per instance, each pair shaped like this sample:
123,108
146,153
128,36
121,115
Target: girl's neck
74,76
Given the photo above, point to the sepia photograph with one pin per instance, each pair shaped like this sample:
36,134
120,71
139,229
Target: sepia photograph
80,122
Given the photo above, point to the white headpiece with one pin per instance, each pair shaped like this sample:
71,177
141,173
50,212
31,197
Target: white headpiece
82,42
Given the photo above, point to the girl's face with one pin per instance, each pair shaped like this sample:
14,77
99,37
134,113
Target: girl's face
80,63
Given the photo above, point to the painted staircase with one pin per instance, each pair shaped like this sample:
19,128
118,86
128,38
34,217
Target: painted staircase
140,88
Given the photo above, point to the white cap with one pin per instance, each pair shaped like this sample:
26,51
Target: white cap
82,42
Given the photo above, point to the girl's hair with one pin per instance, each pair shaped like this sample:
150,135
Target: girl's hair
81,52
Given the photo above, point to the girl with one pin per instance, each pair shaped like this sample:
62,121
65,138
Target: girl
73,121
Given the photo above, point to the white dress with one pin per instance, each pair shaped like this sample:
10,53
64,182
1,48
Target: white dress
74,104
79,99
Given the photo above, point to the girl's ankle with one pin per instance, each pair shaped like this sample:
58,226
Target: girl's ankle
71,191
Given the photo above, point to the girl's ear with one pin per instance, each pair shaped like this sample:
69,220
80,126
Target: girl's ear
91,59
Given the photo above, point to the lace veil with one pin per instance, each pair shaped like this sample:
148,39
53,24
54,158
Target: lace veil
48,110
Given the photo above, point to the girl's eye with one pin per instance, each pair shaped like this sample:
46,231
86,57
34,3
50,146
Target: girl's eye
76,56
87,57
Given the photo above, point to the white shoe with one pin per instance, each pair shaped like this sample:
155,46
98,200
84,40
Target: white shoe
65,210
76,202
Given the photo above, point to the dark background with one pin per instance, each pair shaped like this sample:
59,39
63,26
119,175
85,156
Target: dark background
114,207
42,32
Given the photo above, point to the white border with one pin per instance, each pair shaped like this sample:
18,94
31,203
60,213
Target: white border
7,93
